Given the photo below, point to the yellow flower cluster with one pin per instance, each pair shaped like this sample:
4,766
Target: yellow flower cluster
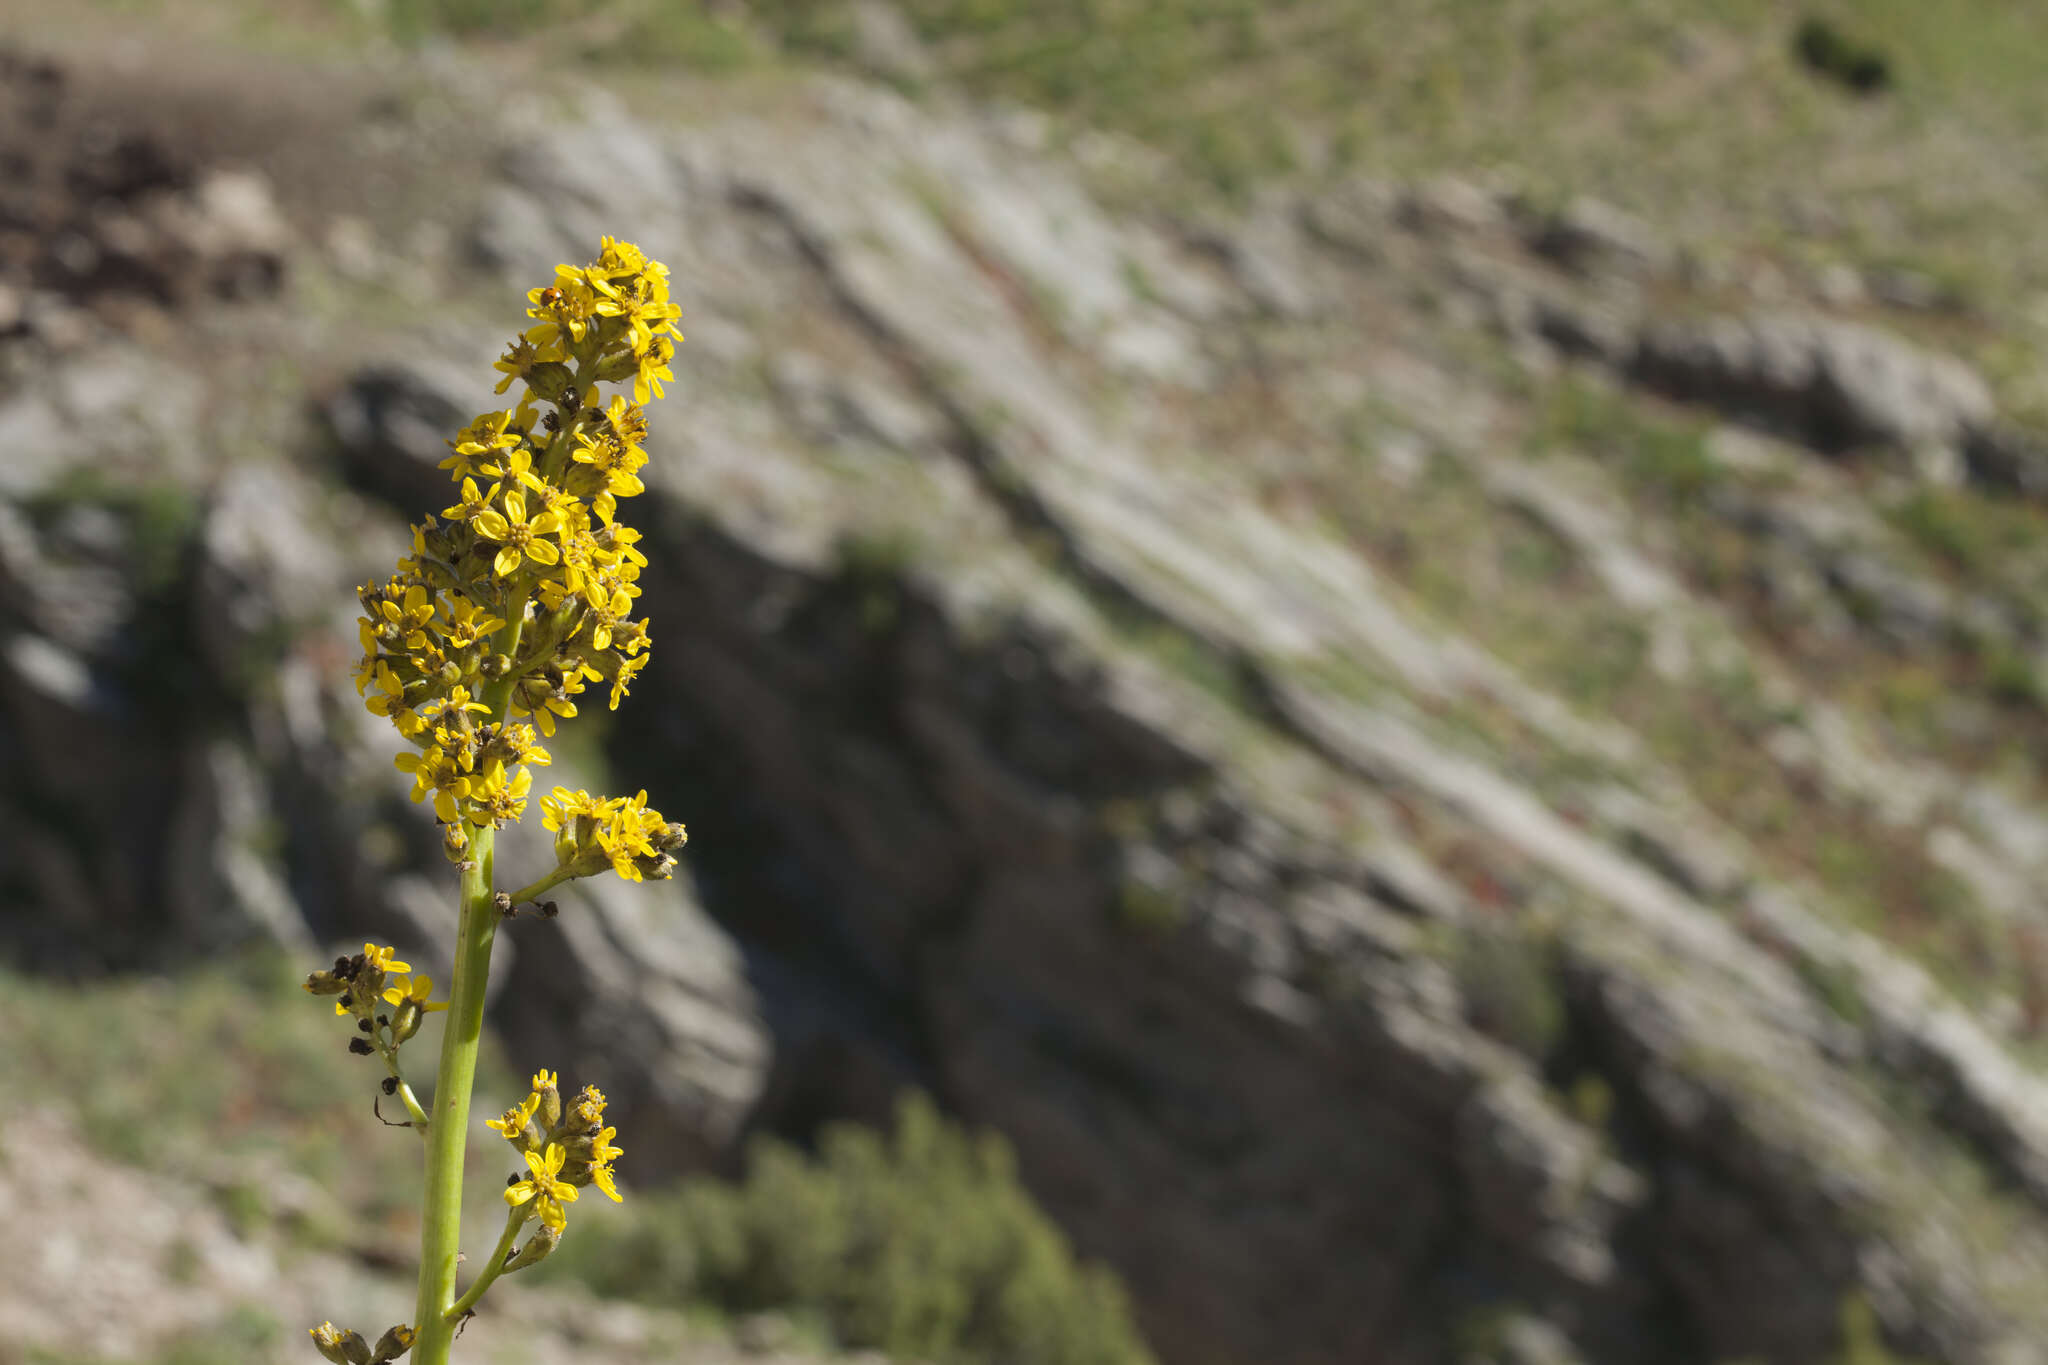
620,833
564,1151
520,595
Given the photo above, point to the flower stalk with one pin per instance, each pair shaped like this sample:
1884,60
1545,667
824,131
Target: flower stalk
515,599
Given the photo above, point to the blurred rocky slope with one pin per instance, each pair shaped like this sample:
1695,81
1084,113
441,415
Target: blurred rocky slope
1456,775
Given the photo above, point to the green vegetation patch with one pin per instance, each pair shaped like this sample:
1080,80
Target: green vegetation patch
920,1243
229,1068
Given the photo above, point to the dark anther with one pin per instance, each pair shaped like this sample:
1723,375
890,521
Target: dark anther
362,1047
363,1025
391,1085
511,1180
548,909
347,1001
385,1020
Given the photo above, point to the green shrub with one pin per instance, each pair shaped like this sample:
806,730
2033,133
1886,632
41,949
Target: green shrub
1826,51
920,1243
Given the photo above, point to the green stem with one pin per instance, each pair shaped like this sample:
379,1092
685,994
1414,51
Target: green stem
514,1220
548,883
448,1130
412,1104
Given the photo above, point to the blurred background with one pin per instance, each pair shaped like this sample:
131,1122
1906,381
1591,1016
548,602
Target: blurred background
1353,682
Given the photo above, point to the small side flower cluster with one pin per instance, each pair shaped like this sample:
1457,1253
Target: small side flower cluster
592,834
520,594
345,1346
358,985
565,1151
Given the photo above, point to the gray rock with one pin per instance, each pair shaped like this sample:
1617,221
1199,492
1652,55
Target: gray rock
886,44
634,989
1836,384
1448,204
1353,218
1591,238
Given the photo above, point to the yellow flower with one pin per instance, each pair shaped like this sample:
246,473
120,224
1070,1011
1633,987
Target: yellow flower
603,615
478,442
495,801
544,1186
453,706
437,772
517,363
615,460
416,989
513,1124
560,807
473,505
511,745
517,467
544,706
468,623
623,547
518,538
653,370
390,690
413,611
628,670
564,307
602,1154
381,959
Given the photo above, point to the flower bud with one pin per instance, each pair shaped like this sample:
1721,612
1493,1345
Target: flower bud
394,1343
620,365
325,983
548,380
341,1347
549,1111
328,1340
588,1111
656,869
543,1241
407,1022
